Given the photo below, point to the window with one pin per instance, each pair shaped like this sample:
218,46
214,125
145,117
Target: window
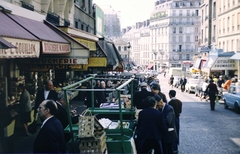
188,38
180,30
174,38
174,12
180,39
187,57
76,24
238,16
119,48
82,27
125,48
174,29
233,22
180,13
188,12
180,57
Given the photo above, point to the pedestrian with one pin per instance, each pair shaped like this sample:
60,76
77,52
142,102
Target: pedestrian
24,108
227,84
44,94
156,89
171,80
50,138
220,81
183,82
177,106
203,94
139,96
150,128
212,92
169,138
164,74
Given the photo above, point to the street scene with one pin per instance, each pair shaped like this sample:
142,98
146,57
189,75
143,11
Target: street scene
129,76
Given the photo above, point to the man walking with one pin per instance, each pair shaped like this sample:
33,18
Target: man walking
51,135
177,106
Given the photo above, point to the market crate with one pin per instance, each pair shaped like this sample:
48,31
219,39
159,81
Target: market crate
114,144
93,145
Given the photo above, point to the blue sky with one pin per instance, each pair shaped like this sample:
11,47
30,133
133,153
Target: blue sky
132,11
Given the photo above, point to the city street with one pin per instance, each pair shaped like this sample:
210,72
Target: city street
203,131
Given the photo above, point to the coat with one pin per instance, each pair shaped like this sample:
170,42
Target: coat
25,105
139,96
53,95
177,106
169,118
150,124
50,138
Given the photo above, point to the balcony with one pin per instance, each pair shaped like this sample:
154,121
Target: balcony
27,6
53,18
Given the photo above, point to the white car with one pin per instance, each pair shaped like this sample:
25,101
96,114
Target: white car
191,85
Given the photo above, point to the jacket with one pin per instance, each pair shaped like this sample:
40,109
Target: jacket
139,96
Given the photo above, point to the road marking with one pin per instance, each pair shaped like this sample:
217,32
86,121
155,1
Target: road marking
236,141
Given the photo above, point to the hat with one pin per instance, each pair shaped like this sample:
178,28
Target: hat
155,87
157,97
143,84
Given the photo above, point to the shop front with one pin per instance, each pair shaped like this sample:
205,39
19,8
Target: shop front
236,57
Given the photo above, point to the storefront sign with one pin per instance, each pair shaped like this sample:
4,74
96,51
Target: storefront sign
97,62
55,48
56,61
46,67
224,63
24,49
90,44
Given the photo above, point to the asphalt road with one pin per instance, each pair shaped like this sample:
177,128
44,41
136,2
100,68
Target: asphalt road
203,131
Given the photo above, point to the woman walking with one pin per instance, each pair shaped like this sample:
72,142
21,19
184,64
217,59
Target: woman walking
212,92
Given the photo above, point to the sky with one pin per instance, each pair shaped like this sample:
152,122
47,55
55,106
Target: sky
131,11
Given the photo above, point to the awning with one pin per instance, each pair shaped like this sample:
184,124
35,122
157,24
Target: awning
236,56
210,62
150,66
5,44
52,42
27,45
197,64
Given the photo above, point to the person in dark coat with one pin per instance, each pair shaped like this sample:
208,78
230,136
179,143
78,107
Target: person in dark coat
24,108
169,138
183,82
212,91
50,138
150,128
139,96
44,94
155,88
177,107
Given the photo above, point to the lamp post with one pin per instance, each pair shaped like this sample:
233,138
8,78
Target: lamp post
128,65
162,53
155,58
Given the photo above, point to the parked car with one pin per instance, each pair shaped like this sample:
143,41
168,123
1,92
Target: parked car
191,85
232,98
198,89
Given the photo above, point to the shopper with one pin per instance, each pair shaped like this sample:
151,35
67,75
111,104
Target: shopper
44,94
139,96
183,82
171,81
169,138
156,89
24,107
50,138
150,128
212,92
177,106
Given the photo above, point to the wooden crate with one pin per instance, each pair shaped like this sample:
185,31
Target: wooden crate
93,145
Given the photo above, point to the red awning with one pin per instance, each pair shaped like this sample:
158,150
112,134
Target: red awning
150,66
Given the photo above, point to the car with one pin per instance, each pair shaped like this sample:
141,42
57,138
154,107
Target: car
191,85
198,89
232,98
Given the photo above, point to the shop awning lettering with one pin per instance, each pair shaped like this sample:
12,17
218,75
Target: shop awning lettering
55,48
42,67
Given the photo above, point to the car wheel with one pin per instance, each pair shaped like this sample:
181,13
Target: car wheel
236,108
225,104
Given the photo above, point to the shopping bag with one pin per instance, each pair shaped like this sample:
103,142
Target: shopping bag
88,125
217,100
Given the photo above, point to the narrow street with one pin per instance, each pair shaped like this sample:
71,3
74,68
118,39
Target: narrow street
203,131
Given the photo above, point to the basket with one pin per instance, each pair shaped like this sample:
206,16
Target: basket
89,126
93,145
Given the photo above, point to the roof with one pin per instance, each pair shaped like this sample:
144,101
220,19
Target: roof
9,28
38,29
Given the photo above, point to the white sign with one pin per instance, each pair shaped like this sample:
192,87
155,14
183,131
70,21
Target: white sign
24,49
55,48
224,63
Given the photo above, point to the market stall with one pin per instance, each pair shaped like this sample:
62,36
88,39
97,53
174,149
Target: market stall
119,131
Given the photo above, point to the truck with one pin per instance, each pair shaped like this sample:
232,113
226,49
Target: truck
178,72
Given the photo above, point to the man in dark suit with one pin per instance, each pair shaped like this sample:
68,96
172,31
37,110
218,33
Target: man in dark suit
139,96
169,138
44,94
177,106
150,128
50,138
155,88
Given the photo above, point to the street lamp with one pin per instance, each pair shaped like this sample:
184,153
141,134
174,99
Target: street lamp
155,58
128,65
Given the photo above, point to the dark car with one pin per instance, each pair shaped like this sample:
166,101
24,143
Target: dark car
198,89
